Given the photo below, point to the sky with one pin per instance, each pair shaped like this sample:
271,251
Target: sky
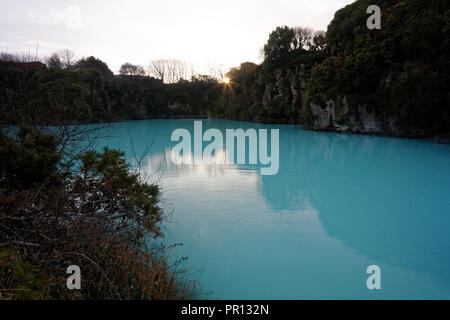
201,32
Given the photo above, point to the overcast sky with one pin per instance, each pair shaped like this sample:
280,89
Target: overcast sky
201,32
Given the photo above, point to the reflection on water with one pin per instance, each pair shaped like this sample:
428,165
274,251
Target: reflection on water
338,204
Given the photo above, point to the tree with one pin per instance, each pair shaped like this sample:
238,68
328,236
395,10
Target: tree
8,57
27,57
99,215
216,71
27,160
158,69
93,64
170,70
54,61
128,69
303,37
177,70
68,58
281,41
318,42
63,59
242,73
19,57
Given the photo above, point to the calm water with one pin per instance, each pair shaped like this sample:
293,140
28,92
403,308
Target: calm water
338,204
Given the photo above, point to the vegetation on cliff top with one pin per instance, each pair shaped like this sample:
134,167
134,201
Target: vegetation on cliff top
399,73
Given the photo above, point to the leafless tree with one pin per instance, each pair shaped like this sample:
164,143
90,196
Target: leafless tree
158,69
216,70
170,70
179,70
303,37
318,42
68,58
8,57
27,57
24,57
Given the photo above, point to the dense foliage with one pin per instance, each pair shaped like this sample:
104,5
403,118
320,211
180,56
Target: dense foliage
99,215
271,92
89,92
398,75
401,72
281,41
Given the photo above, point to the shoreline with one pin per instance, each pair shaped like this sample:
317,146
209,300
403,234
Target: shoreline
439,139
436,139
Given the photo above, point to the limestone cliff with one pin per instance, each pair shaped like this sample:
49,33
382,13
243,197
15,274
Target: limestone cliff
392,81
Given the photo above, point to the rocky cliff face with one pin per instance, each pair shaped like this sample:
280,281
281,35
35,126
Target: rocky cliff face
283,92
392,81
338,116
346,112
287,90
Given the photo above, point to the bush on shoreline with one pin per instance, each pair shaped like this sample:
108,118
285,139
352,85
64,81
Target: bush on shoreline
98,215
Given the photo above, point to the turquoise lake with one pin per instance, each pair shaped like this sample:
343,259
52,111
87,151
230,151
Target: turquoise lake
338,204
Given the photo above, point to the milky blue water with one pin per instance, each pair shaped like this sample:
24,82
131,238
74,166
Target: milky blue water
339,204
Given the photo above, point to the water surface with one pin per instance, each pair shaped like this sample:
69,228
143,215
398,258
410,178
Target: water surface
339,204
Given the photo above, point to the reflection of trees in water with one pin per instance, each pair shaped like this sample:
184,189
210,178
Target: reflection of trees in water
373,193
162,163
